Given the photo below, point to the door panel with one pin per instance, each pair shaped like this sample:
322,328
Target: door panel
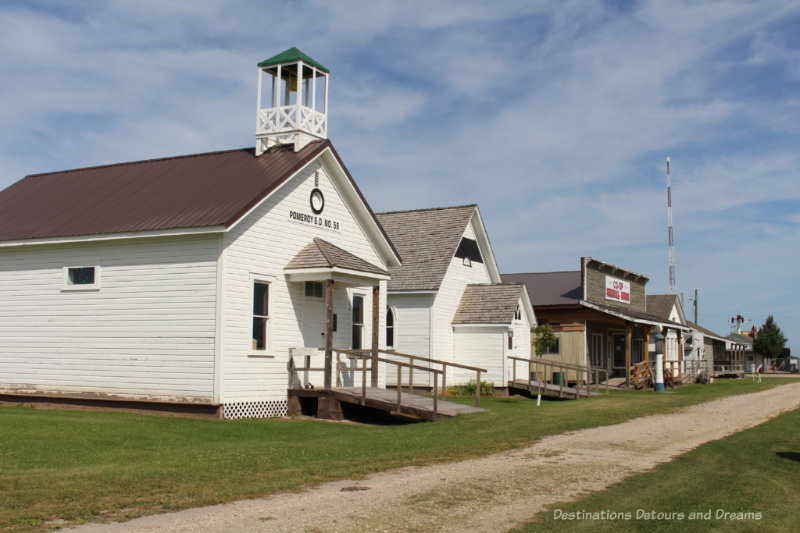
313,327
619,350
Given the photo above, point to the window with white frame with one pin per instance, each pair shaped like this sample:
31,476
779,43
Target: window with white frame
260,315
389,327
597,350
358,321
81,278
314,289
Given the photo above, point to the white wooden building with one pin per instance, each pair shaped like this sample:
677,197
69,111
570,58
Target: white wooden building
446,301
188,280
701,349
668,306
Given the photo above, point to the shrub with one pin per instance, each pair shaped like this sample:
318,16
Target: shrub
468,389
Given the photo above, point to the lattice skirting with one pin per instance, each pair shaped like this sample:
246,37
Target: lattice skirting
257,409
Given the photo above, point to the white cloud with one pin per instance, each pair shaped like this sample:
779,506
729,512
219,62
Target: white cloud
554,117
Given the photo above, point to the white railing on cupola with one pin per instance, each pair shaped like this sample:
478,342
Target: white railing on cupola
286,119
297,123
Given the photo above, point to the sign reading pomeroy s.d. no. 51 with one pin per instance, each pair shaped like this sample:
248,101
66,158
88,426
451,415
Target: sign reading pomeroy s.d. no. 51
618,290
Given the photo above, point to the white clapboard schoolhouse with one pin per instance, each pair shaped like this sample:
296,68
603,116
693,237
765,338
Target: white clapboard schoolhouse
188,280
447,301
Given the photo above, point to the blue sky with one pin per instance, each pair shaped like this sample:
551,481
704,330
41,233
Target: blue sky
555,117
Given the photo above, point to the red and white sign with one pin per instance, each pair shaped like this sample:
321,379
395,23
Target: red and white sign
618,290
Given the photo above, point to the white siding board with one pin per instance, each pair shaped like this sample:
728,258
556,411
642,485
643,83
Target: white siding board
412,333
147,333
482,347
261,245
457,277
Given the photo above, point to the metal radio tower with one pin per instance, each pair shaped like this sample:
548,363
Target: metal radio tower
672,289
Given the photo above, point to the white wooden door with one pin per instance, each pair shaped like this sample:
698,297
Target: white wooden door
313,325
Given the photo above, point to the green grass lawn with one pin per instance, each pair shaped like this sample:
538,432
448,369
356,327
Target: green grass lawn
77,466
747,482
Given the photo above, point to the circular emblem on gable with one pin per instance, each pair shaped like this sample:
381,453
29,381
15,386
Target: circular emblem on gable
317,201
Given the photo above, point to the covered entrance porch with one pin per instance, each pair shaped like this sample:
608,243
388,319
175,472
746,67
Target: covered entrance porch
618,339
345,347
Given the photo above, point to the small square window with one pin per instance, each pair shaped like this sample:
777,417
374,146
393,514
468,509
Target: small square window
77,278
314,289
81,276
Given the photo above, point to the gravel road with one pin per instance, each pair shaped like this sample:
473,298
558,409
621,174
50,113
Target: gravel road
492,493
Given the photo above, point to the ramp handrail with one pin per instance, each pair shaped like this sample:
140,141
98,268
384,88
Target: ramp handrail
410,365
364,356
640,373
444,365
580,369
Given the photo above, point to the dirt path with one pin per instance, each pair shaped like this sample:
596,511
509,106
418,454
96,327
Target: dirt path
493,493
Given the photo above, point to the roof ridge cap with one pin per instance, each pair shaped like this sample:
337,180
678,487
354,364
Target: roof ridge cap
321,244
427,209
548,272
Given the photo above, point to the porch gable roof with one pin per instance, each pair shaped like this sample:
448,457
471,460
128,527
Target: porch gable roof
489,303
321,256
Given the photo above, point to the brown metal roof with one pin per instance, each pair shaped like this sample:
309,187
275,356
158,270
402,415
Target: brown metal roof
212,189
322,254
549,288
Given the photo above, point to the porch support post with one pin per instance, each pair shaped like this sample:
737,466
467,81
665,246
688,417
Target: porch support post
376,293
328,333
628,342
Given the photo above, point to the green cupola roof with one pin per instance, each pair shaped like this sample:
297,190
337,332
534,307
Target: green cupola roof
290,56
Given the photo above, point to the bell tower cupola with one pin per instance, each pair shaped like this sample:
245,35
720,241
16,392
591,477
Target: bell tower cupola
292,101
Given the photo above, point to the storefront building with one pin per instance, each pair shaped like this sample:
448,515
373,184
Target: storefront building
598,314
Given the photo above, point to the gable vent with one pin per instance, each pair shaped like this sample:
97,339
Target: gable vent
468,249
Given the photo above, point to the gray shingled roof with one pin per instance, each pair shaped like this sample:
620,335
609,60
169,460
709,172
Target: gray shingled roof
488,303
741,339
661,304
550,288
704,331
426,239
322,254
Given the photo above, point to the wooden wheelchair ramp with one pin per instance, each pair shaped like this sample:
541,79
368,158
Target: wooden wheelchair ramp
415,405
351,364
551,389
552,378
